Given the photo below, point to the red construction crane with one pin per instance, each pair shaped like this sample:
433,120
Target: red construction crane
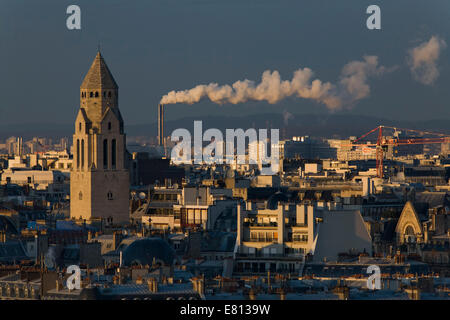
383,142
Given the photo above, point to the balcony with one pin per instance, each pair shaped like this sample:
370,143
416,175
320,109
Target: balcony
269,240
264,225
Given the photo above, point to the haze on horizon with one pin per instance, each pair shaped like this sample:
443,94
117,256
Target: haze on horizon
154,47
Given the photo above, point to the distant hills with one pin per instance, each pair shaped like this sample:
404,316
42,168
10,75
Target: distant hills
329,125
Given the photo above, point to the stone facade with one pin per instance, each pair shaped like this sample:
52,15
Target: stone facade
409,228
99,182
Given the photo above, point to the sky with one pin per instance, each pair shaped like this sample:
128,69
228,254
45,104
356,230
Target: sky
154,47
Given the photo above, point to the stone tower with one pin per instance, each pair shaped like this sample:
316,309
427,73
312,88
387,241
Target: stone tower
99,180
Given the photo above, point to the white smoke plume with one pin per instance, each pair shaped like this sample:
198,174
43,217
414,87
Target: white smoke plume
286,116
351,87
422,60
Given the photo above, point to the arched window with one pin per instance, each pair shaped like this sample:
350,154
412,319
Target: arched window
109,125
109,94
80,196
105,154
96,94
113,153
91,94
104,94
79,126
110,195
78,153
82,153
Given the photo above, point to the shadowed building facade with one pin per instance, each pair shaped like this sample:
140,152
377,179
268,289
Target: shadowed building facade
99,182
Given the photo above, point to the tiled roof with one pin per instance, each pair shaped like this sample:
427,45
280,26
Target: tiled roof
99,76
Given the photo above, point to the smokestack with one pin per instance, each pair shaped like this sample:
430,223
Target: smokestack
161,125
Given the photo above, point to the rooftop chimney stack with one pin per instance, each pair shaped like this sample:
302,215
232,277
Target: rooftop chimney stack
161,125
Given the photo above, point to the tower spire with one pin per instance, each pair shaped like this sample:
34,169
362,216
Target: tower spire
99,76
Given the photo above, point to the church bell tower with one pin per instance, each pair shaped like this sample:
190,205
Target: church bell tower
99,180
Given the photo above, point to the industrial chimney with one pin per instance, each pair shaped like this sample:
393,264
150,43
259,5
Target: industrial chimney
161,125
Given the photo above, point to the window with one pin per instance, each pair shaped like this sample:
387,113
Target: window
91,94
113,153
96,94
110,195
79,126
82,153
29,179
109,94
105,154
109,125
80,196
78,153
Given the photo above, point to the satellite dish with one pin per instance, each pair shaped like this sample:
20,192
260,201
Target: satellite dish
142,195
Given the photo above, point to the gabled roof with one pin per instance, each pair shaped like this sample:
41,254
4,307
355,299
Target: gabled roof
115,111
409,216
82,111
433,199
99,76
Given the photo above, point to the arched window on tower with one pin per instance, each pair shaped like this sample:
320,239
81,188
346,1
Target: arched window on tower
105,154
79,127
91,94
82,153
96,94
109,94
78,153
109,126
113,153
104,94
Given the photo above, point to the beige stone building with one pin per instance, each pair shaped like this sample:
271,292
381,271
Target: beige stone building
99,182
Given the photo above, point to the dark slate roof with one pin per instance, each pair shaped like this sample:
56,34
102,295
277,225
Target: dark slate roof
326,195
421,210
99,76
11,250
219,241
143,251
433,199
261,193
389,230
7,225
272,202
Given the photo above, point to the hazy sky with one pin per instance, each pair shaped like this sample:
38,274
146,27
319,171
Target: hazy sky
153,47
